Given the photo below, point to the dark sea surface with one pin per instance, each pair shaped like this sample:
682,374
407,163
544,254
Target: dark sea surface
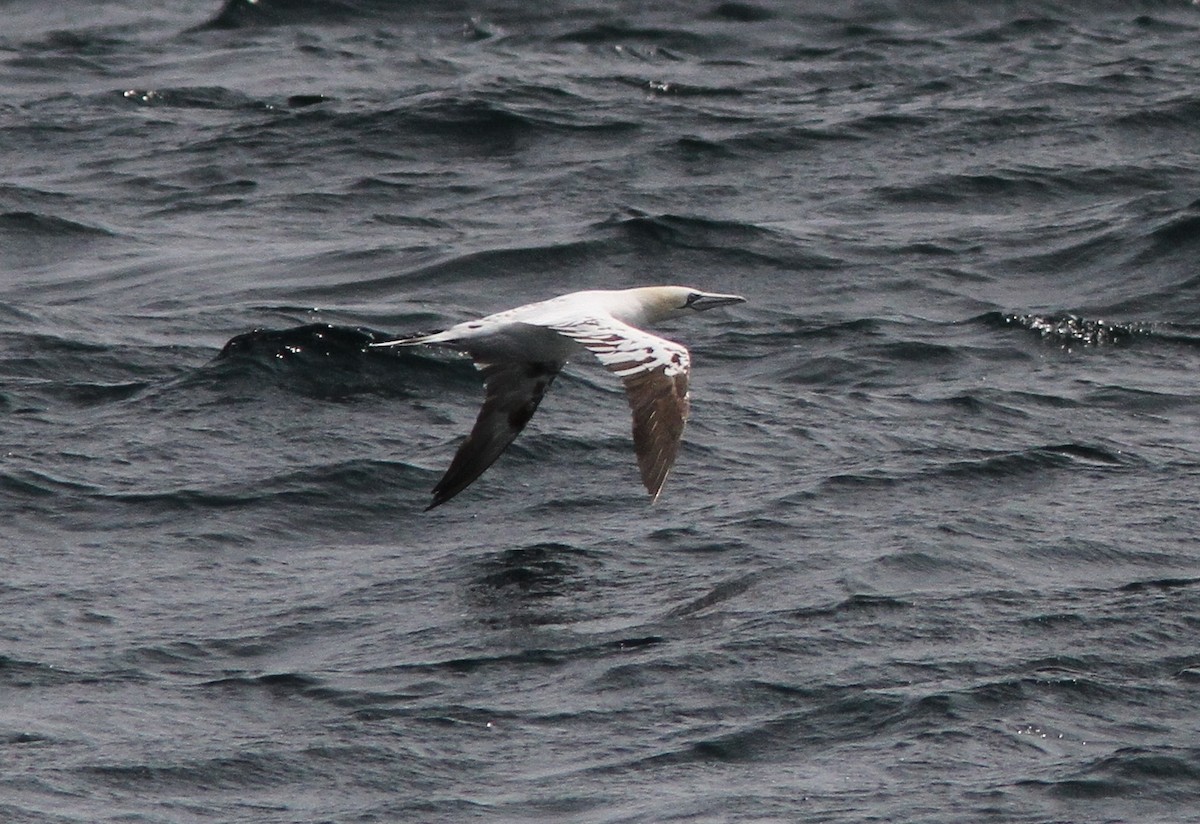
930,551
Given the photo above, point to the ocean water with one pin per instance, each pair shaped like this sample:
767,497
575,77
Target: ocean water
930,549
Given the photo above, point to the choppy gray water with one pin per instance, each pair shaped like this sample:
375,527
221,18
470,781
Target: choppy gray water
929,552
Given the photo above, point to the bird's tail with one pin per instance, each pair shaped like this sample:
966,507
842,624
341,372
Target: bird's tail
414,339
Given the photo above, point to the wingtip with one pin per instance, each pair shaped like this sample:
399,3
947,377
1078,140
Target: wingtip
655,492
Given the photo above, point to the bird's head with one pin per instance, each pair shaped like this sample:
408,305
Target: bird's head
661,302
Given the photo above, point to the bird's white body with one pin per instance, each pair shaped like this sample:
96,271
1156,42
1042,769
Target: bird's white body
521,350
509,333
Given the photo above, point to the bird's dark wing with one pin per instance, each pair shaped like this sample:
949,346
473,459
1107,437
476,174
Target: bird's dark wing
514,390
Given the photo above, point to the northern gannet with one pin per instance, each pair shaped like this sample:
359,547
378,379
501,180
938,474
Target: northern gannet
521,350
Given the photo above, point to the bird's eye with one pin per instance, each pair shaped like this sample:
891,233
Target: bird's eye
692,298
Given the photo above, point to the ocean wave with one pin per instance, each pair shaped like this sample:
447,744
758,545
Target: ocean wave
313,340
157,775
957,189
240,14
1178,112
487,122
744,242
478,119
1072,330
1014,30
21,227
1179,229
19,673
51,370
192,97
32,239
539,570
77,52
717,594
668,43
1160,584
275,684
686,231
857,605
741,12
506,112
1131,772
667,88
528,267
772,140
304,487
996,466
326,361
617,645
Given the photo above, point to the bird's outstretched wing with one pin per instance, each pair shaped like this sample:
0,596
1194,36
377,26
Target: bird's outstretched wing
655,372
514,390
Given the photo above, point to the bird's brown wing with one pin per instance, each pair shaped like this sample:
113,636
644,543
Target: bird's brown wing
655,371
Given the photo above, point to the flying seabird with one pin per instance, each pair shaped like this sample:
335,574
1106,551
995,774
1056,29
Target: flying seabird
521,350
